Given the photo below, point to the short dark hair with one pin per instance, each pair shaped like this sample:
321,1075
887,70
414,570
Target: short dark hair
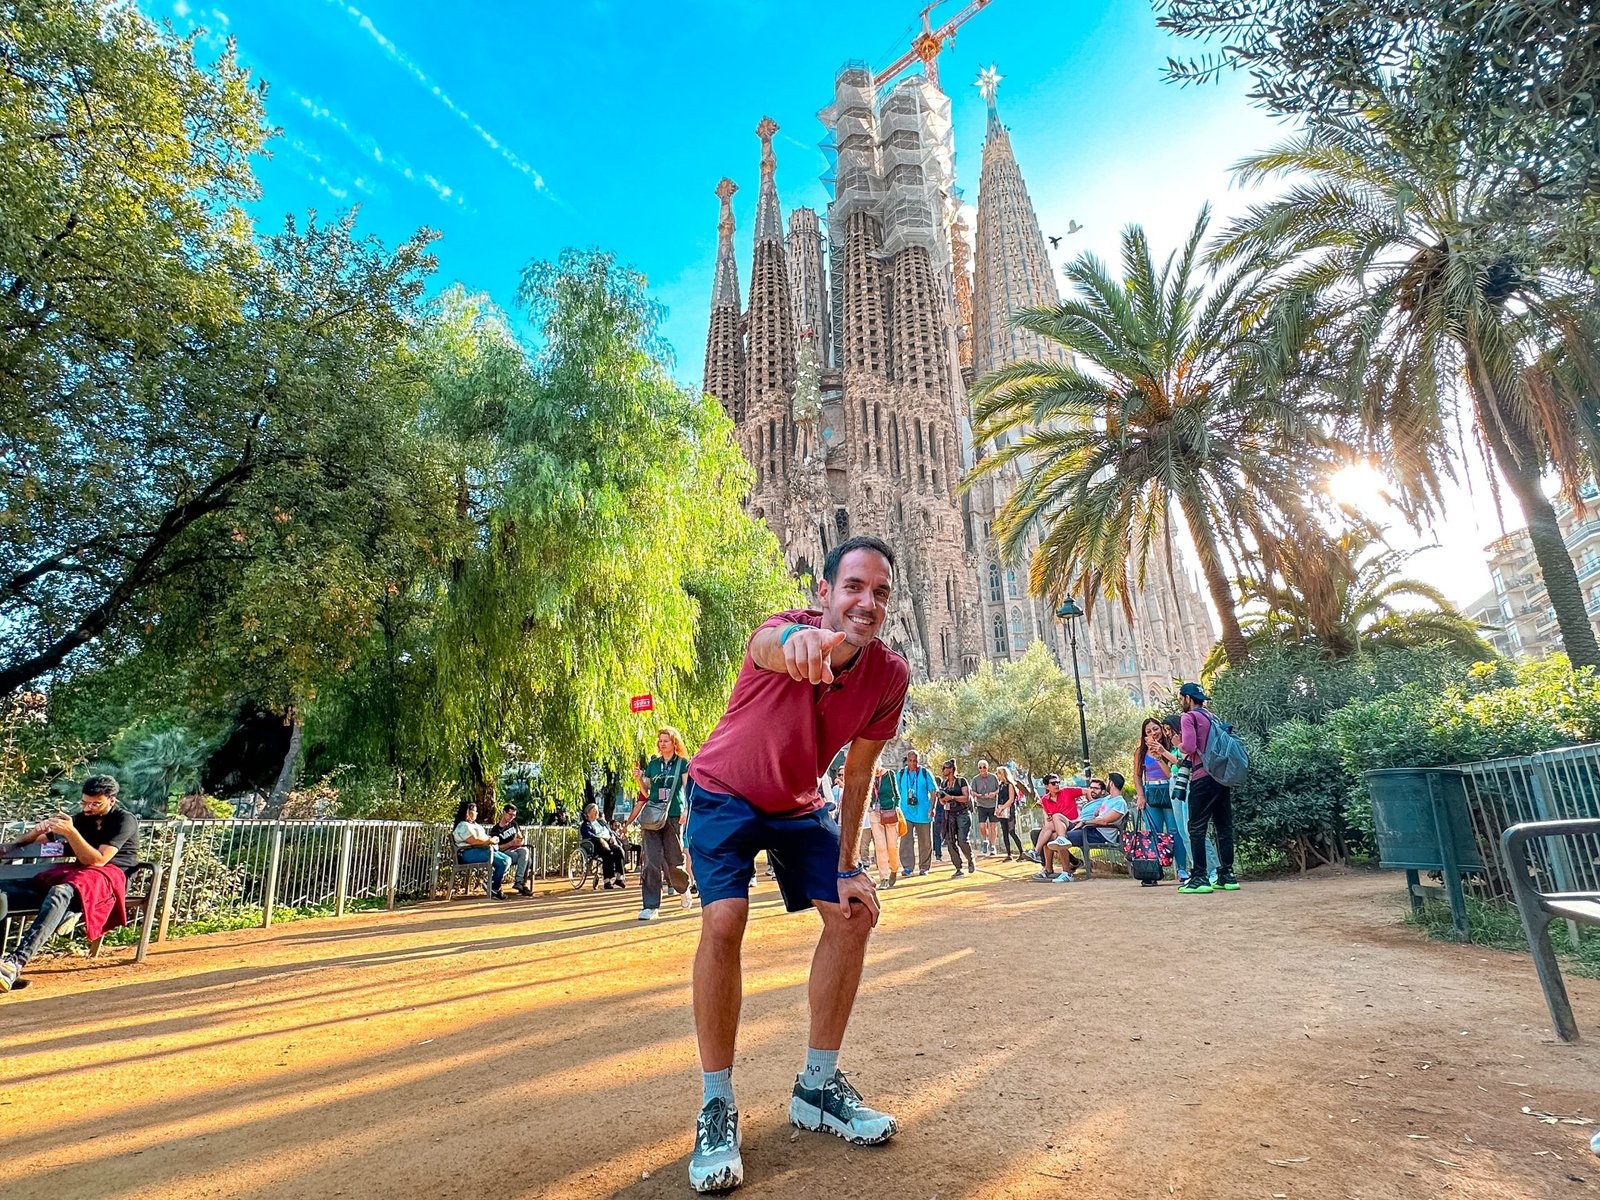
1117,778
830,565
101,785
949,762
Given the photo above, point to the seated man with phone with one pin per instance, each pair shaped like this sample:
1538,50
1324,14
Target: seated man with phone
103,839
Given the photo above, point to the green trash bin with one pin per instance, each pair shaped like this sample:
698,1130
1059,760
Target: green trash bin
1423,824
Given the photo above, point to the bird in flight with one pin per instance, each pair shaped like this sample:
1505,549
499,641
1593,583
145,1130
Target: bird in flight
1055,243
1073,227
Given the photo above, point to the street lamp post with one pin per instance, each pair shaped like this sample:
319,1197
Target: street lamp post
1069,612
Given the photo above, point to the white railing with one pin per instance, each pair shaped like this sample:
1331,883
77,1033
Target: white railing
257,869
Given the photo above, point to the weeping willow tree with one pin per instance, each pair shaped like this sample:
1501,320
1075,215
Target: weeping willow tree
607,551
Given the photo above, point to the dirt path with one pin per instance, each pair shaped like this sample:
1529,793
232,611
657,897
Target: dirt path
1035,1041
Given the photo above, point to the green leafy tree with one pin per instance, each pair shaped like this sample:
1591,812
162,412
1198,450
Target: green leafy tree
1024,712
1519,78
1390,226
611,552
210,446
1171,393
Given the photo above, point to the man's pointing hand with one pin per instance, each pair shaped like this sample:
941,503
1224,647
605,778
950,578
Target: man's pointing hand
805,654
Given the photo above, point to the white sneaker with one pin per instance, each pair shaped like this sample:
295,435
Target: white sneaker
688,901
649,914
715,1164
837,1108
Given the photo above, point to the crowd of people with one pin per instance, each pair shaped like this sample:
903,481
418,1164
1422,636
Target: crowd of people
814,685
914,818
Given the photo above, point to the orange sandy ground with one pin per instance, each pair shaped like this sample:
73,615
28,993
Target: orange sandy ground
1097,1040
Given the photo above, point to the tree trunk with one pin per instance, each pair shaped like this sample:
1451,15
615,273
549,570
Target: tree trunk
1205,542
291,765
1520,463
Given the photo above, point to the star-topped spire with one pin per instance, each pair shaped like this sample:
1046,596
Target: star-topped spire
769,220
988,81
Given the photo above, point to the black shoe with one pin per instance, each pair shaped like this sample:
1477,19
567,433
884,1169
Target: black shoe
497,894
1226,882
1148,882
959,873
524,890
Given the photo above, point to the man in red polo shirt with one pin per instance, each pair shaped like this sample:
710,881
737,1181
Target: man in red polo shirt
811,682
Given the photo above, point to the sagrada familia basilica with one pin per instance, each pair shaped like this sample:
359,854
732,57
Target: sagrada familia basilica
846,376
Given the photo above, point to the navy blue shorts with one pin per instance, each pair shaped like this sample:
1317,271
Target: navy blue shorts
727,832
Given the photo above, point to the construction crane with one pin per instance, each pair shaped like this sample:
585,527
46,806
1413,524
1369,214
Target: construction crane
927,44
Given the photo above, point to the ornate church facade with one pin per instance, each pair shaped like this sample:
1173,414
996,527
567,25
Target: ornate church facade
846,377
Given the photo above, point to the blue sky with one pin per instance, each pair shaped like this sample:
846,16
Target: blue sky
517,129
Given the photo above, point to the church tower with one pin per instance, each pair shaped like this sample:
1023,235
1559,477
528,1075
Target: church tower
1170,634
724,373
770,357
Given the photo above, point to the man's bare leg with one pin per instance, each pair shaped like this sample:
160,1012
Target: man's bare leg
718,981
835,973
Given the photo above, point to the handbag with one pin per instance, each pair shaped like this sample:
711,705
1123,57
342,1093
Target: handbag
1147,852
653,815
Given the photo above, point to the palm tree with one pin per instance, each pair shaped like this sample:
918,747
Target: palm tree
1168,394
1397,229
1345,592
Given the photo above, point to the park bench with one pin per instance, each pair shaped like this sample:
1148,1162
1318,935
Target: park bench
458,875
143,897
1539,908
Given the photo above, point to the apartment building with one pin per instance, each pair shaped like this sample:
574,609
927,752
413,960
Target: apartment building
1523,624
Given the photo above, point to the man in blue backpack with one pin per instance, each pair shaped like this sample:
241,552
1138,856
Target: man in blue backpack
1210,800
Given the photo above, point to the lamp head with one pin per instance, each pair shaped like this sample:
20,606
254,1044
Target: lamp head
1068,610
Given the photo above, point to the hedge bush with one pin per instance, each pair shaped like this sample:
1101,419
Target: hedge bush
1305,804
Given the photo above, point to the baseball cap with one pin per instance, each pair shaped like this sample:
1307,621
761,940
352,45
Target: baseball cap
1194,691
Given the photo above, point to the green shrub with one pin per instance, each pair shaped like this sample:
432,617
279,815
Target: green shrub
1305,799
1290,804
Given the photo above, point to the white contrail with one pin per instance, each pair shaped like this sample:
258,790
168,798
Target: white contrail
377,153
421,76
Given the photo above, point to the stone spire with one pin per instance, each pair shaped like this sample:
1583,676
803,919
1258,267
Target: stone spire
768,429
1011,269
771,362
769,220
724,373
808,281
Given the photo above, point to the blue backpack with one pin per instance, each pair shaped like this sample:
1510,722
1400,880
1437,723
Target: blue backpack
1224,757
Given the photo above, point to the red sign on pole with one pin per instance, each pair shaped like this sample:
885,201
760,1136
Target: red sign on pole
642,703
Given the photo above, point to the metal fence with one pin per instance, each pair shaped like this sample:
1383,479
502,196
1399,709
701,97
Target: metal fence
258,869
1552,785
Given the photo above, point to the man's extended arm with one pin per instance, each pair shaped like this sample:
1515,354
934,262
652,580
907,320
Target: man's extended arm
804,655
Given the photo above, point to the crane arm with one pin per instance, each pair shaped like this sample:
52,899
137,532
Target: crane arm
927,44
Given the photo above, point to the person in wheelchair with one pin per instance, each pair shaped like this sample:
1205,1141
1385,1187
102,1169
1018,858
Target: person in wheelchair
596,836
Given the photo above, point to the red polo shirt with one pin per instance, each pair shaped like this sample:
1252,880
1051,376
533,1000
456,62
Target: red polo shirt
780,735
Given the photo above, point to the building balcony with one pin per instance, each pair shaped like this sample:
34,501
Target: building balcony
1584,531
1588,569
